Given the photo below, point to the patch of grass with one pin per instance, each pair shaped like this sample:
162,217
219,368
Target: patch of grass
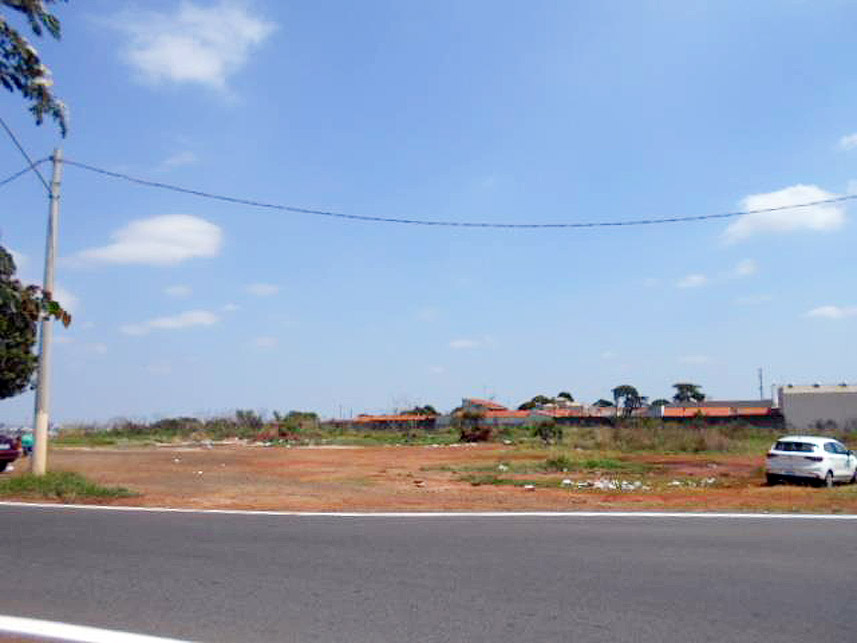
63,485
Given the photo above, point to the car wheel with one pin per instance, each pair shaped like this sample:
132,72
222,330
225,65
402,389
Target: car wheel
771,479
3,466
854,477
828,480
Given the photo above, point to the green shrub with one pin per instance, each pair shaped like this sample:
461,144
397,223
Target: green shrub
63,485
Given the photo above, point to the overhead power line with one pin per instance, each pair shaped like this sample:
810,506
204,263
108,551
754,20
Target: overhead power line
21,173
456,224
21,149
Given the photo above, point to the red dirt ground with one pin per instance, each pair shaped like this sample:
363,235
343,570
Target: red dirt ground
420,478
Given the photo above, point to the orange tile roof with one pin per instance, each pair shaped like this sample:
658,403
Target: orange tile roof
714,411
505,413
403,417
488,404
561,413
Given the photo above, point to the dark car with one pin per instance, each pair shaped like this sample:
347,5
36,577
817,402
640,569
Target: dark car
10,450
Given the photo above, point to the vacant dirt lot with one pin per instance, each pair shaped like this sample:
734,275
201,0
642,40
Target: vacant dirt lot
420,478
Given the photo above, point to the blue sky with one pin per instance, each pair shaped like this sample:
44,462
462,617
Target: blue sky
479,111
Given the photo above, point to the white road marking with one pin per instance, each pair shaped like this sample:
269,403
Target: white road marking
438,514
57,631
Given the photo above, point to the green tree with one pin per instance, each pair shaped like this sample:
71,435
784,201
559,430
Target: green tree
659,402
21,307
565,395
427,409
604,404
21,67
687,392
538,400
628,398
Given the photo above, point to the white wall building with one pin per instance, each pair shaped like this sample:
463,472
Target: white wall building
817,406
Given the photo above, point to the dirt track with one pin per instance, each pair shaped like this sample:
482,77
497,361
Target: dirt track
419,478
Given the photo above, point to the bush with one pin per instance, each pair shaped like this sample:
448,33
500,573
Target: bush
549,432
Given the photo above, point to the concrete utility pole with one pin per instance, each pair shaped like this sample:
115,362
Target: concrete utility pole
41,420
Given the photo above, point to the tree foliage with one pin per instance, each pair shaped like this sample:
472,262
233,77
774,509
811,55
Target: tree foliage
604,404
534,402
565,395
21,67
628,398
427,409
687,392
21,307
659,402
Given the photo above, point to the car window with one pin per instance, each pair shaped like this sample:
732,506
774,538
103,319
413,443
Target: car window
802,447
830,447
840,449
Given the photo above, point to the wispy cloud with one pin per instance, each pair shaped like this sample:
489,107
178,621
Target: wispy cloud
262,290
178,290
428,314
819,218
179,159
692,281
745,268
833,312
161,240
202,45
437,370
184,320
67,299
848,142
230,308
265,342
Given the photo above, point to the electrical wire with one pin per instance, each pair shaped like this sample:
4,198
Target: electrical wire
21,149
20,173
457,224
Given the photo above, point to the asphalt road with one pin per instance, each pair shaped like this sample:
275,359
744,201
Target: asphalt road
275,578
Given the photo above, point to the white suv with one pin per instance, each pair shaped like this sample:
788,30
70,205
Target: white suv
804,457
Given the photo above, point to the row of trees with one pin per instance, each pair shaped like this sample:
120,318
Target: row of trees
625,396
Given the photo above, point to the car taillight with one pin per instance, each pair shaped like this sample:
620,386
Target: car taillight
813,458
771,455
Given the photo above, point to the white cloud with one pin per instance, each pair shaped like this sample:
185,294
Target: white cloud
820,218
98,347
66,299
203,45
179,290
230,308
263,290
21,260
179,159
692,281
745,268
460,344
183,320
265,342
437,370
848,142
833,312
161,240
694,359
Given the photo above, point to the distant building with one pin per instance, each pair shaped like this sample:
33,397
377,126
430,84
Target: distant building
819,407
762,412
